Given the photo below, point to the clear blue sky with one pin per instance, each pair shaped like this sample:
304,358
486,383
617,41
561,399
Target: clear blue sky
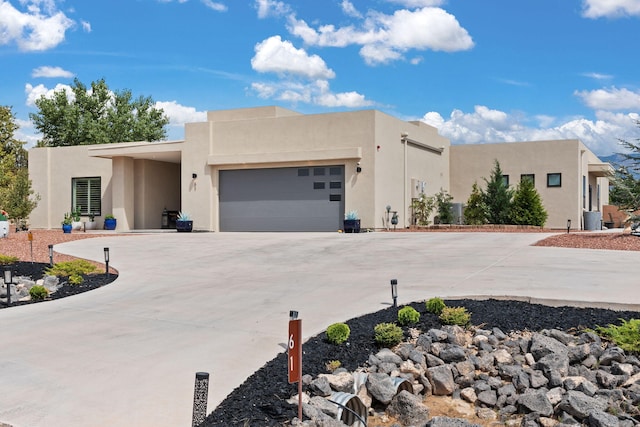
478,70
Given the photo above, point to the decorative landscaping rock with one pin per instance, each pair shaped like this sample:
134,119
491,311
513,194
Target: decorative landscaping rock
549,378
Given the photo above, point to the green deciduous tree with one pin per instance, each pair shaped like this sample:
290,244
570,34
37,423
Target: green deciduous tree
475,213
16,195
422,207
444,206
497,197
97,116
526,207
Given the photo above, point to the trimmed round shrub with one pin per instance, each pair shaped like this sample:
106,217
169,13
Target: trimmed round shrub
338,333
455,316
38,292
435,306
408,316
388,334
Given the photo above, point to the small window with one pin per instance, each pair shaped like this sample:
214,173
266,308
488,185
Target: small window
303,172
335,171
318,185
335,197
335,184
86,196
554,180
505,180
318,171
531,177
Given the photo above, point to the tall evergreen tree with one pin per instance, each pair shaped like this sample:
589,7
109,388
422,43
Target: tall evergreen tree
444,207
625,184
498,197
527,208
475,212
97,116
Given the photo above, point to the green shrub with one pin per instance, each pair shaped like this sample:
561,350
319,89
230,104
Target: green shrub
388,334
72,269
332,365
435,306
408,316
38,292
338,333
7,259
625,336
455,316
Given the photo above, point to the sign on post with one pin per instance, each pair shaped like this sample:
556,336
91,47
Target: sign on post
295,351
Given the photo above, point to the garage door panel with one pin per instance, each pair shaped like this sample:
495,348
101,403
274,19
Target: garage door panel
282,199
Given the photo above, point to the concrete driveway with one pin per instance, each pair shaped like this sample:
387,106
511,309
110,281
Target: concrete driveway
127,354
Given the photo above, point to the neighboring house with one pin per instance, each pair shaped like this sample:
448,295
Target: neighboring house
570,179
273,169
254,169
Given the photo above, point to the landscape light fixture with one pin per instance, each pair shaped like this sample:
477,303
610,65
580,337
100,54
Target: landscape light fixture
51,255
8,280
293,315
568,225
394,292
106,261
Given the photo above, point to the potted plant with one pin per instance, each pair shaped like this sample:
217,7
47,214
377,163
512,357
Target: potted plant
91,224
110,222
66,223
76,223
351,222
184,223
4,223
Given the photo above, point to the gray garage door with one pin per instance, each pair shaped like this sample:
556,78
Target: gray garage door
282,199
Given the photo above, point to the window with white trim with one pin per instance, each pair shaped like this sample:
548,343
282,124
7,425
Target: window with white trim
86,195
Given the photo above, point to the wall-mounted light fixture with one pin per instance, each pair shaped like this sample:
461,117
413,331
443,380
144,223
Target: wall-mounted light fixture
194,175
358,168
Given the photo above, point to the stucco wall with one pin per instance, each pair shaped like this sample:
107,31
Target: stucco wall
51,170
473,163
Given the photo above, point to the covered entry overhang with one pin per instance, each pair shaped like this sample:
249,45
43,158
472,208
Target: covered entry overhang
145,179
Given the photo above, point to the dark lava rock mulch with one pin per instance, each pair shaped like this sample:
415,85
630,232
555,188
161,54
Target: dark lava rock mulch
261,399
36,271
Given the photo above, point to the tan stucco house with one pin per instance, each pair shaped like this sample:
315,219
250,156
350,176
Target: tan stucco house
273,169
570,179
255,169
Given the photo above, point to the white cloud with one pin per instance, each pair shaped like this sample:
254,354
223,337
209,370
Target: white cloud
598,76
214,5
86,26
274,55
349,9
50,72
180,114
268,8
386,37
35,92
485,125
417,3
610,8
316,93
610,99
33,30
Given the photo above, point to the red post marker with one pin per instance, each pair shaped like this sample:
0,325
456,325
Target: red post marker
294,344
295,351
